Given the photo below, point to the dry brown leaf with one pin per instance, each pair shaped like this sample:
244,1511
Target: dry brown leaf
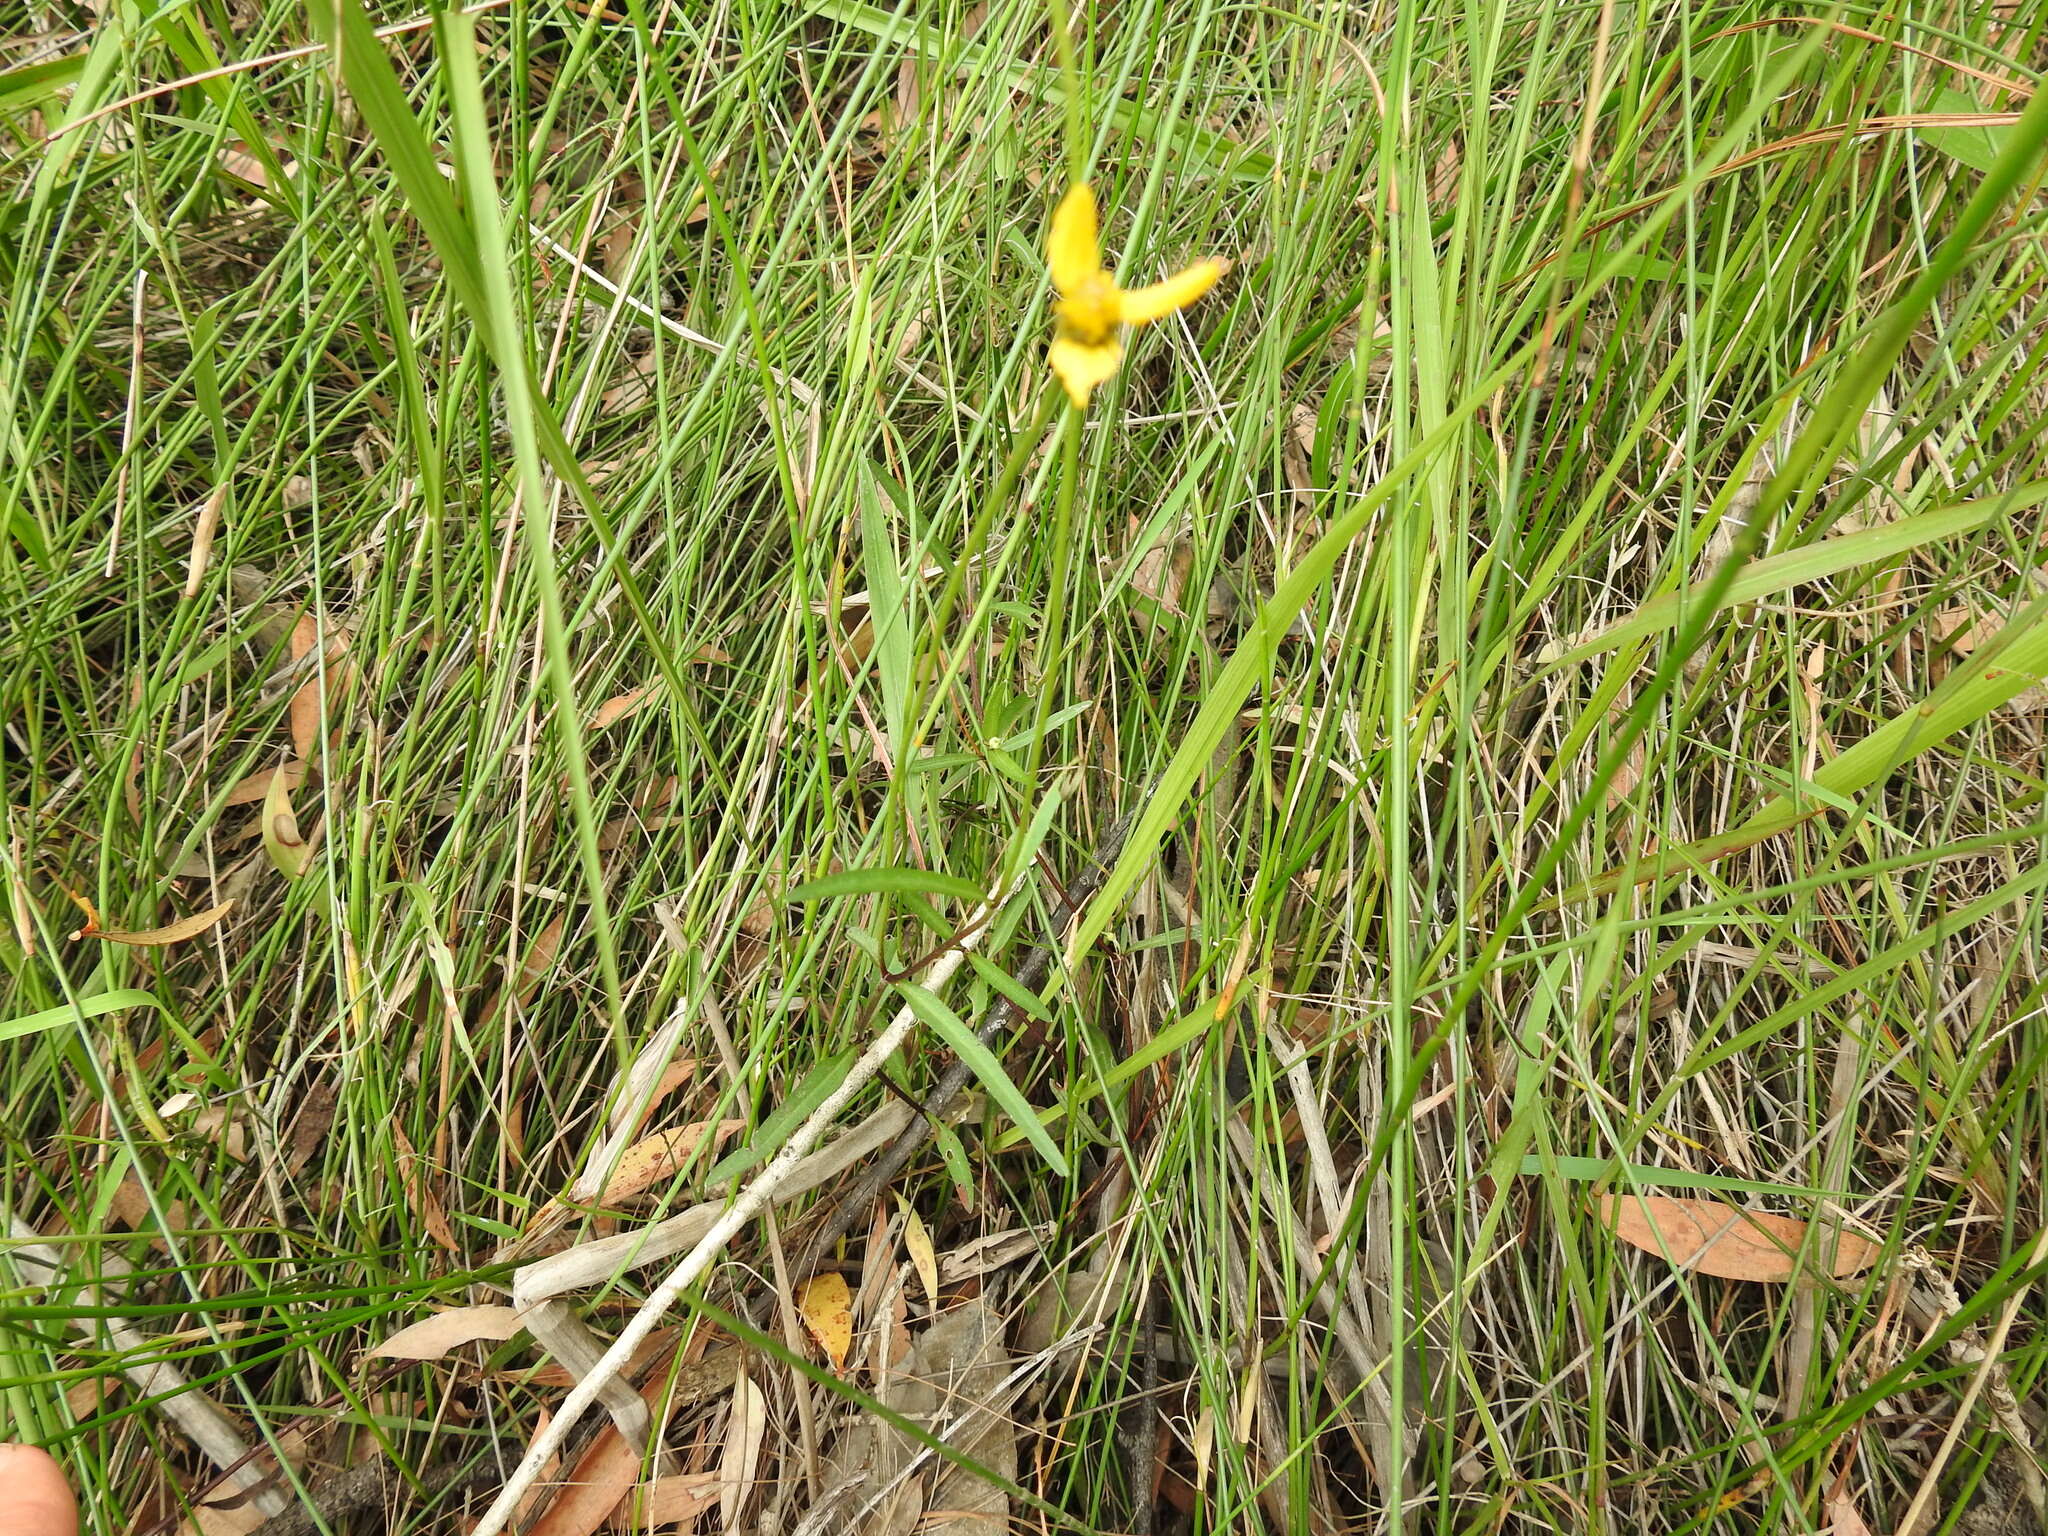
203,531
1844,1519
171,933
656,1158
252,789
84,1399
310,1125
129,1205
228,1130
304,711
433,1337
1711,1237
239,163
307,703
1961,630
745,1432
539,959
615,709
424,1201
606,1472
637,387
996,1250
214,1520
827,1307
679,1499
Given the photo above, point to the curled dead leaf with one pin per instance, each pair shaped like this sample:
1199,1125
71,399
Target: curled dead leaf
433,1337
282,840
1711,1237
171,933
918,1243
745,1432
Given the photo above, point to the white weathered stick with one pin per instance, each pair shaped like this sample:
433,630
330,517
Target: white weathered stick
750,1204
599,1260
202,1420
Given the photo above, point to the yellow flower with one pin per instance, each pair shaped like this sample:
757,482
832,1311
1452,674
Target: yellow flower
1085,344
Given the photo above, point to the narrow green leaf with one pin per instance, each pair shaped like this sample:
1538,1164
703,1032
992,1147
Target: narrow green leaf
1623,1175
1812,562
871,882
816,1087
951,1028
85,1007
1022,996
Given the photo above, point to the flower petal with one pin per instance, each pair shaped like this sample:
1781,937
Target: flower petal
1072,248
1082,365
1139,305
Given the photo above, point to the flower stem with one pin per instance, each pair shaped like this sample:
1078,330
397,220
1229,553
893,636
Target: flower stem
1057,595
1070,74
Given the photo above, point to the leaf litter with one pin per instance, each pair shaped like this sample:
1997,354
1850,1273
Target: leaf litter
955,1380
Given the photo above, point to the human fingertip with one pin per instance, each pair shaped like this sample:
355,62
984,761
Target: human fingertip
35,1496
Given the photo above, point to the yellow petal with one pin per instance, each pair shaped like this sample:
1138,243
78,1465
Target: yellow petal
1139,305
1082,365
1071,246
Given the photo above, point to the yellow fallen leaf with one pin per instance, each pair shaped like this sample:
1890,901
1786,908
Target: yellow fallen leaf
171,933
922,1257
282,840
827,1307
1711,1237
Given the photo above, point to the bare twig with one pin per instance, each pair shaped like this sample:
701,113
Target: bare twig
750,1204
201,1419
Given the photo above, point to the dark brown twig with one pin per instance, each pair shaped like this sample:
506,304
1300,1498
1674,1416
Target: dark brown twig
841,1218
375,1485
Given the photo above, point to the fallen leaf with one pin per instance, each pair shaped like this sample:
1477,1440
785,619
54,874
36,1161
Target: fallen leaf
171,933
433,1337
255,787
83,1399
1844,1519
678,1499
919,1243
662,1341
310,1125
656,1159
615,709
282,841
203,530
952,1382
226,1128
606,1472
995,1251
744,1434
827,1307
424,1201
309,702
540,957
1711,1237
243,165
